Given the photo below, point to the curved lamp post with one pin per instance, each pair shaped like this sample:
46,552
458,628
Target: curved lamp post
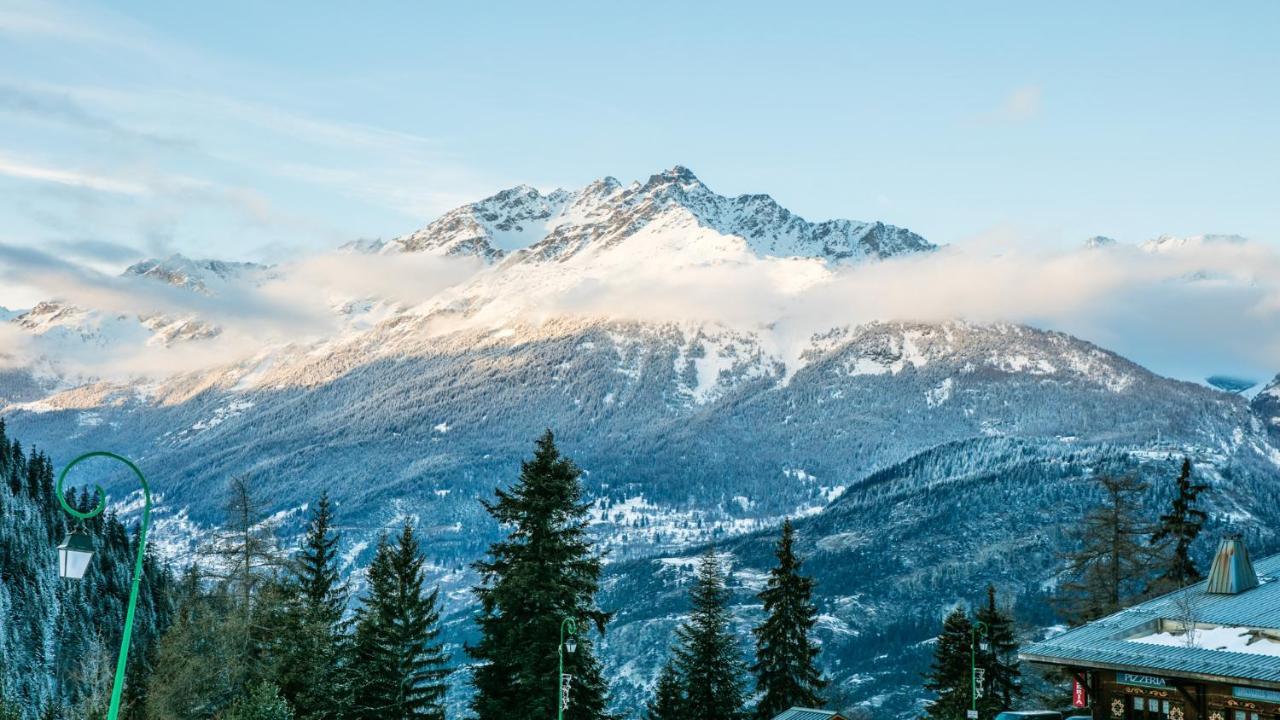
979,629
571,644
75,552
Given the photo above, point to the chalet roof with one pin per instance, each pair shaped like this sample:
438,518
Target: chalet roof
797,713
1110,643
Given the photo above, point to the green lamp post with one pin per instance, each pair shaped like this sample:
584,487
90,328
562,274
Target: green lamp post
75,552
569,644
979,629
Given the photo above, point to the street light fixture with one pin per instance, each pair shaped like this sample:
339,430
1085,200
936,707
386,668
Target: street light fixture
979,627
74,554
570,626
76,551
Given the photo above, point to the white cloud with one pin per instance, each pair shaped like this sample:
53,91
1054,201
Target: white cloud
1022,104
72,178
1204,308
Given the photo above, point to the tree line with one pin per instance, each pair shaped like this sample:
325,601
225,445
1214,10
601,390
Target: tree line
251,632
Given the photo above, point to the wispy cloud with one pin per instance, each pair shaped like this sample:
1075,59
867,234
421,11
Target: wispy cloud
96,250
14,168
1020,105
60,106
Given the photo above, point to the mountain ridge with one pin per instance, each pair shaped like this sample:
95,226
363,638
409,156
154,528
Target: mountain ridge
524,221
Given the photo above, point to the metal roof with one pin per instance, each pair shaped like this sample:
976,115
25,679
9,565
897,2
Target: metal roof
1232,573
1103,644
796,713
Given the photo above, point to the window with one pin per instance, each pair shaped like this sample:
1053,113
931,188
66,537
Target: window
1141,708
1246,715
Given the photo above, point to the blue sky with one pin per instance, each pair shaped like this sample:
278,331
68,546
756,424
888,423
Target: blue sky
250,130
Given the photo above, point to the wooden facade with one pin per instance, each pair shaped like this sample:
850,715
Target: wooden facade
1141,696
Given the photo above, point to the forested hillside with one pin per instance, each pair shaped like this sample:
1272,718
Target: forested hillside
59,638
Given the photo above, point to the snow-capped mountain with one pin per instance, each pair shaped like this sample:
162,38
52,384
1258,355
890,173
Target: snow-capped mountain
203,276
924,458
1169,243
62,331
526,225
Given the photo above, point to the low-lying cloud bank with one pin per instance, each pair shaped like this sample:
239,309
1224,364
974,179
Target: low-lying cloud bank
1186,309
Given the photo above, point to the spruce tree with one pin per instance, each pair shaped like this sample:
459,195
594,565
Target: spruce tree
1002,682
708,658
310,635
1111,565
262,703
1180,526
543,572
786,671
950,674
399,667
668,697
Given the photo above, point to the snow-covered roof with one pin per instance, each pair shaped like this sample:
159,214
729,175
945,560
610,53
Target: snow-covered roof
1190,633
797,713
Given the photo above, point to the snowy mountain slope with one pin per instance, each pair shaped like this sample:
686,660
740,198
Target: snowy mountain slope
64,322
690,431
901,547
524,225
1266,405
688,434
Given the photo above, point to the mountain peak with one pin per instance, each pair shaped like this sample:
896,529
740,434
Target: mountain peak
1167,243
199,275
603,214
679,172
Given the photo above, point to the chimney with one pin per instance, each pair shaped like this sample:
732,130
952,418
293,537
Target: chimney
1232,572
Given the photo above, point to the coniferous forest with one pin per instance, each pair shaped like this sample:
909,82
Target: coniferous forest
250,629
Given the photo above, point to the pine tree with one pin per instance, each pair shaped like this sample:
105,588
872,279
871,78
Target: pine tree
950,674
1112,563
262,703
708,658
399,667
668,698
1002,682
785,669
1180,526
543,572
310,637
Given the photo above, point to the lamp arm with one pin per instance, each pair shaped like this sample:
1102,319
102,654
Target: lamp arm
117,688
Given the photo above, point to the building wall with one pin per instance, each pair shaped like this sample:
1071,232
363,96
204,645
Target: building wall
1130,696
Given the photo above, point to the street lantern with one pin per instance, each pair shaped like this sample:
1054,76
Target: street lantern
74,554
979,629
568,626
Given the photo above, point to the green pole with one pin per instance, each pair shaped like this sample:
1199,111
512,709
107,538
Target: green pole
572,626
978,626
117,689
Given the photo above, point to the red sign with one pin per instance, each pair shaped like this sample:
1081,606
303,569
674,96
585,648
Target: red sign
1079,696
